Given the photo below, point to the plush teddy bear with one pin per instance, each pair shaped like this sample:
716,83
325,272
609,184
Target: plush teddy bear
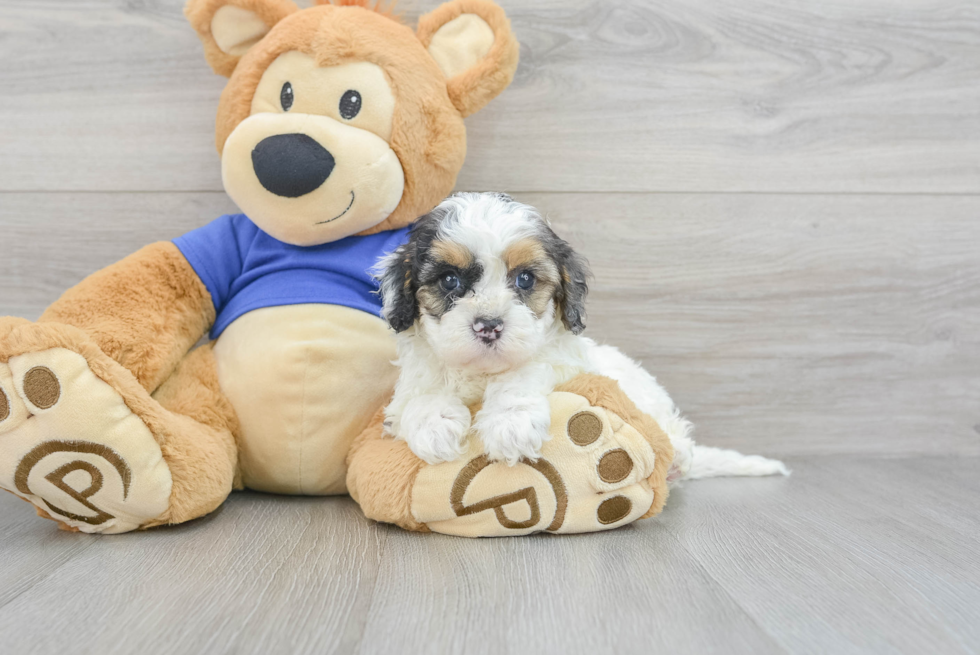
338,127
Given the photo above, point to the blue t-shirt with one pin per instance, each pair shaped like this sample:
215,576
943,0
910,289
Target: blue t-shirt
245,269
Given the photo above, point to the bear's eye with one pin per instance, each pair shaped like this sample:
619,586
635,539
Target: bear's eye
449,282
525,280
286,96
350,104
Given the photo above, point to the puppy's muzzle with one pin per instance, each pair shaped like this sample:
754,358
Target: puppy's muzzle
291,165
488,330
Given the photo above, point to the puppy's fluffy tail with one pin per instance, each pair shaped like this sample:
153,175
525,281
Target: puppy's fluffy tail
708,462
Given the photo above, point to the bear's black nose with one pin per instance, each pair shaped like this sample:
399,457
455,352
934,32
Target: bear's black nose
291,165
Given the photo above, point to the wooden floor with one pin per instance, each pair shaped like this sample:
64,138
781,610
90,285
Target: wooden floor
850,554
781,202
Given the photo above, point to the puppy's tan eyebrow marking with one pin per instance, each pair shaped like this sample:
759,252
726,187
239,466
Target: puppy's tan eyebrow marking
524,253
530,254
452,253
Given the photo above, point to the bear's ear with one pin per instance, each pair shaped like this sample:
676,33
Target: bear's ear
228,28
472,42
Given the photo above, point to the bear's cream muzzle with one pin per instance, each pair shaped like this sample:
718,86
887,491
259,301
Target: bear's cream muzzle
306,179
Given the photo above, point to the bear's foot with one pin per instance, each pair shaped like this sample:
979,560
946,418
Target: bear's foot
605,466
69,443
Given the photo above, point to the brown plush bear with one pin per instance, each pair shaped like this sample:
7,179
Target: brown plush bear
338,127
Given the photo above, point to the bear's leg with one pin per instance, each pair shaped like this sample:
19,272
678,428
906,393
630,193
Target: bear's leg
381,474
80,435
203,456
84,441
604,466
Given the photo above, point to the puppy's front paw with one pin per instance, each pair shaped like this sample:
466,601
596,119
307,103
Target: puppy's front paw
434,427
514,431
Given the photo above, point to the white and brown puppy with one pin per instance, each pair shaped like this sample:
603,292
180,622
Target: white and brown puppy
488,303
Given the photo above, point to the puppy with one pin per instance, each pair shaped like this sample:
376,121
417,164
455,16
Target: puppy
488,304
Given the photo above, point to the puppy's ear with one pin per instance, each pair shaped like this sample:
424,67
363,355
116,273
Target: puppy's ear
574,286
228,28
399,306
399,272
472,42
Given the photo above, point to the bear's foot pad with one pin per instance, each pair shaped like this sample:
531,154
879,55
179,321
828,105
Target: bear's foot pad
592,475
70,445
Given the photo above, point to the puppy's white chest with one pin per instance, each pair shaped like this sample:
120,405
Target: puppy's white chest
471,391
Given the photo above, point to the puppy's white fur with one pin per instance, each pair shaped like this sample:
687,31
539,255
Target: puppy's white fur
445,367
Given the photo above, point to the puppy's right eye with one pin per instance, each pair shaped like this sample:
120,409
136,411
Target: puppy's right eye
449,282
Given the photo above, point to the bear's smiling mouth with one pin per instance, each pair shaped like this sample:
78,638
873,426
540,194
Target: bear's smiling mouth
341,213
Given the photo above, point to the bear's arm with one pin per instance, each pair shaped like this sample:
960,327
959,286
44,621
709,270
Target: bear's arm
145,311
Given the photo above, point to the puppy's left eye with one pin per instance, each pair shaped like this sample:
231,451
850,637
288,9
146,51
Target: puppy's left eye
525,280
449,282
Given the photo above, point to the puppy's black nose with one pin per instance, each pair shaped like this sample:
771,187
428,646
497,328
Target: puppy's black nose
291,165
488,329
